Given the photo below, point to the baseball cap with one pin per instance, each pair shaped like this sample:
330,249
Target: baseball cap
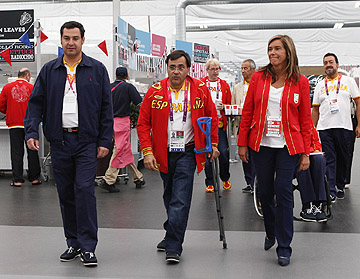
121,71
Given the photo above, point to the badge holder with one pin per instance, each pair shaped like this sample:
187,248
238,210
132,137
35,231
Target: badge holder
215,169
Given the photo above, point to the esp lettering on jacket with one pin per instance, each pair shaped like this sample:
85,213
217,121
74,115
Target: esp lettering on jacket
177,107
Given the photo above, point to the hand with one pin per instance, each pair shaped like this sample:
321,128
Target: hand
33,144
357,131
304,162
150,162
215,153
102,152
244,153
219,106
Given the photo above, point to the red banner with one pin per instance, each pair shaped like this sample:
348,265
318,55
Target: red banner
158,44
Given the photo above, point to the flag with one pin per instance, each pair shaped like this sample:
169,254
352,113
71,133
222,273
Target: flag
43,37
25,39
102,46
6,55
60,51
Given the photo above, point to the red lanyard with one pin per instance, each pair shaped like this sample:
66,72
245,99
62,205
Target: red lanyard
217,88
171,112
337,88
117,85
71,81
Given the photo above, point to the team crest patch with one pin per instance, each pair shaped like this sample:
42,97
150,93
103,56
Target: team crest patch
157,85
158,97
296,98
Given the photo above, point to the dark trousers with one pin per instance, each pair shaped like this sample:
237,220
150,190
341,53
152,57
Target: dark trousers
249,171
336,145
74,165
178,187
17,140
223,147
352,146
275,170
312,181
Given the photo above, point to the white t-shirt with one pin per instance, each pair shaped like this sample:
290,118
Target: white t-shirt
70,103
215,96
342,119
245,90
177,99
274,111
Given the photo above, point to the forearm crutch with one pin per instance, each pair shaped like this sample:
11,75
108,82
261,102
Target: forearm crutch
215,169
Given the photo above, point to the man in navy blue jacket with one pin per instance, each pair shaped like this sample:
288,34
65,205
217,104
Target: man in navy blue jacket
71,97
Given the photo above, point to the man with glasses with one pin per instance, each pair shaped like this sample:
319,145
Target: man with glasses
221,95
238,98
168,133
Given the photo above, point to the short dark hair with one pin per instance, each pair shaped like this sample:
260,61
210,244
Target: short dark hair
72,25
23,73
331,54
176,54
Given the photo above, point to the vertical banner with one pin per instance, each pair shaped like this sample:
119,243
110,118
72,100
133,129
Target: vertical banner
122,35
158,44
131,45
185,46
201,53
143,42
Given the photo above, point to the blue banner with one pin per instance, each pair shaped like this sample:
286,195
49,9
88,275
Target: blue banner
143,42
122,31
185,46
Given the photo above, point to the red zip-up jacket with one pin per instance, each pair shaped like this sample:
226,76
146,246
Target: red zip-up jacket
295,114
153,119
14,100
226,96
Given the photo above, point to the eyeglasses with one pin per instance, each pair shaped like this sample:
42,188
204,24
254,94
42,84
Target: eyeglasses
180,68
245,68
214,69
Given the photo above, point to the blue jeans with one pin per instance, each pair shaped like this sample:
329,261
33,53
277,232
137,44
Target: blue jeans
275,170
178,187
223,147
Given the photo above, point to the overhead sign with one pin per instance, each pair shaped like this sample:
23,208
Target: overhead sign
13,24
19,52
201,53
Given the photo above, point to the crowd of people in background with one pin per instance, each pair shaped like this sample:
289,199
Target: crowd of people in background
280,137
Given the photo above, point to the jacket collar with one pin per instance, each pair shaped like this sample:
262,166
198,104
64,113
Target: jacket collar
85,61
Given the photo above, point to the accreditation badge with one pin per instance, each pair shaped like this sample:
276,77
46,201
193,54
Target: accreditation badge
334,106
273,126
177,141
69,103
296,98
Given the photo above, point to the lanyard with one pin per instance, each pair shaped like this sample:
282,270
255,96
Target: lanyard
171,112
217,88
112,89
71,81
337,88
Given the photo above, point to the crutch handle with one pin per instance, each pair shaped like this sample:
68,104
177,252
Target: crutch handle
207,132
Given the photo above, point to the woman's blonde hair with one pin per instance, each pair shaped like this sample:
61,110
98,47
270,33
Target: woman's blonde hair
292,68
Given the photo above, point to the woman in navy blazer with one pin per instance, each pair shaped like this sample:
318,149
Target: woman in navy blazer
276,124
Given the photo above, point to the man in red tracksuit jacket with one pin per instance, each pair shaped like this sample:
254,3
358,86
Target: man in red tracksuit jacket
221,95
168,133
14,100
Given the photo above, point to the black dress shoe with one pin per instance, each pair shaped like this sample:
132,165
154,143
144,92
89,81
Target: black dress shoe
139,183
283,261
269,242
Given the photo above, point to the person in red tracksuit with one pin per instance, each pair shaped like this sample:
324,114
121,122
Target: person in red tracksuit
168,133
14,100
221,95
276,124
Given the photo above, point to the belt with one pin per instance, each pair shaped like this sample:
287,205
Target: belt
70,130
